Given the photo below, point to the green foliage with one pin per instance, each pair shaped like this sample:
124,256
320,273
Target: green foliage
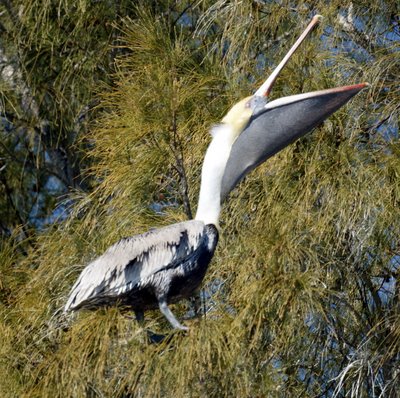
54,56
309,241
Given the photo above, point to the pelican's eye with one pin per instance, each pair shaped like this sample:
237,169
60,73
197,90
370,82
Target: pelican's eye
256,103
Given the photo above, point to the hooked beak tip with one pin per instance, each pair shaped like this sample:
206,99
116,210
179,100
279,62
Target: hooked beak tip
317,18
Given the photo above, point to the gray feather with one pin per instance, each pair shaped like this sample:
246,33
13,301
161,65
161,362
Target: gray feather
134,261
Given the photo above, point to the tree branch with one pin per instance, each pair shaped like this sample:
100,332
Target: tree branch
180,167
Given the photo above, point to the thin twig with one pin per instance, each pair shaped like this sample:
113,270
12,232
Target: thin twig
180,167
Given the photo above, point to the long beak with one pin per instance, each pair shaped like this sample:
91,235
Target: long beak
276,125
266,88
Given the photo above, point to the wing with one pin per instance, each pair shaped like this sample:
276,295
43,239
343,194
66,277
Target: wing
131,261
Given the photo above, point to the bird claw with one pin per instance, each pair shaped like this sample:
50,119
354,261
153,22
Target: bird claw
181,327
155,338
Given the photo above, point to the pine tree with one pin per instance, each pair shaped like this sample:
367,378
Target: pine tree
302,296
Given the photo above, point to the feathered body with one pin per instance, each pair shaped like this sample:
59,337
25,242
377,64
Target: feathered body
137,272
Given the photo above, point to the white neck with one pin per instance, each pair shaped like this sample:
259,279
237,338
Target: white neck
211,176
216,159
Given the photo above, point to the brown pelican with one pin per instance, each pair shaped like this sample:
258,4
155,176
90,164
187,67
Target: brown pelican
164,265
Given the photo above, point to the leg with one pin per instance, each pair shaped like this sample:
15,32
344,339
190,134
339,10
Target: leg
195,301
169,315
139,315
154,338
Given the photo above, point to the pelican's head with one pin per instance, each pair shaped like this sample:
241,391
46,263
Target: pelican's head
263,128
238,116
